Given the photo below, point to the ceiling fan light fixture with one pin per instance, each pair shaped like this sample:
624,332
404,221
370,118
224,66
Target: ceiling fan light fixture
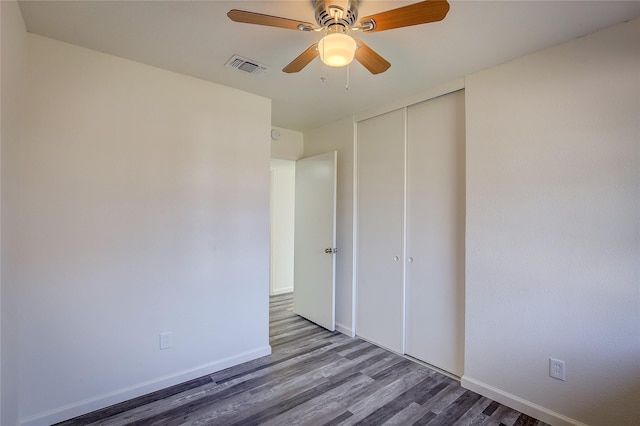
337,49
337,18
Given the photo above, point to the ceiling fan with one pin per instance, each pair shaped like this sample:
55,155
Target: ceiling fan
336,18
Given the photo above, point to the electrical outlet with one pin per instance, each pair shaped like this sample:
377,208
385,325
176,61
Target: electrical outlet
165,340
556,368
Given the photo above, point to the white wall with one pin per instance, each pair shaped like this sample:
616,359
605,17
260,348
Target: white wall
288,146
553,229
144,209
283,203
339,137
12,36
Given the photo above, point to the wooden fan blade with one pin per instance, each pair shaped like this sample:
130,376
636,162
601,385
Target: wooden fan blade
413,14
375,63
268,20
303,60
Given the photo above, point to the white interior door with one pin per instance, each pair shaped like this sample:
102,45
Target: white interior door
380,248
315,239
435,232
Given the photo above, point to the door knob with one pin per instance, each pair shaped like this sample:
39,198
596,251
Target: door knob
330,250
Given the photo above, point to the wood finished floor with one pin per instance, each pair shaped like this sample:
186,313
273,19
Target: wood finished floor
314,377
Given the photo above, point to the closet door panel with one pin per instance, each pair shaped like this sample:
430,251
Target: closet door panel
380,292
435,232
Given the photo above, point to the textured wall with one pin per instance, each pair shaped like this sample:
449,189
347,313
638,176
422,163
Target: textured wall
553,228
13,35
145,209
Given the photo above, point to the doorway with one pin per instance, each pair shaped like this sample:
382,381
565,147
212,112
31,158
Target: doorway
303,235
282,206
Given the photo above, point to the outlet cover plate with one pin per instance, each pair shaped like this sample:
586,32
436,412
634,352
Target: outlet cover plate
556,369
165,340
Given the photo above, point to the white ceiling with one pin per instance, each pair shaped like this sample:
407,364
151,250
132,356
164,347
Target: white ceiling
196,38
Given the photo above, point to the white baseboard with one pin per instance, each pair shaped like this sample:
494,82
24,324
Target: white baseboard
517,403
279,291
91,404
345,330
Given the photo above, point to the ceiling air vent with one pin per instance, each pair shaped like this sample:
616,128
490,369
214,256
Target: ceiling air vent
247,65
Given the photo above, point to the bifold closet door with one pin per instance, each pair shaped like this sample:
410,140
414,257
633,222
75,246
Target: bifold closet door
380,289
435,232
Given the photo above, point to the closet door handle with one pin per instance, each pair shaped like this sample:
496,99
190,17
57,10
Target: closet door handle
396,258
410,259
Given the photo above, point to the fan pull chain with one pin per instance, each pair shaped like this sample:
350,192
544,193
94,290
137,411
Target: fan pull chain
347,85
324,69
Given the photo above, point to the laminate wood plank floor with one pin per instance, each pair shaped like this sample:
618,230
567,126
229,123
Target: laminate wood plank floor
313,377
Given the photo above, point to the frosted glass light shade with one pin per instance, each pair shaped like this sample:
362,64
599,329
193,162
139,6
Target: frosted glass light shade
337,50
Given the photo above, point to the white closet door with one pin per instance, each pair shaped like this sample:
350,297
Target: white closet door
435,232
380,288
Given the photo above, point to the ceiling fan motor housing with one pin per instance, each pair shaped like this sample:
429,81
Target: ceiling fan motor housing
330,13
